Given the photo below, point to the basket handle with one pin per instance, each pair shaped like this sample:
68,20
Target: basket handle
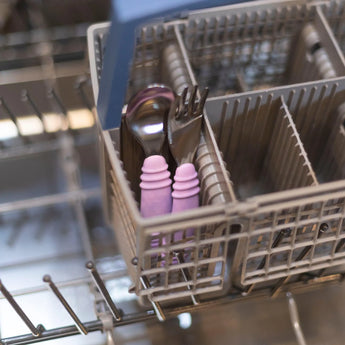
127,15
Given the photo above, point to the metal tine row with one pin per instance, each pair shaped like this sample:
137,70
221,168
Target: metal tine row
14,120
323,228
146,284
47,279
191,108
28,99
25,97
34,108
37,331
284,233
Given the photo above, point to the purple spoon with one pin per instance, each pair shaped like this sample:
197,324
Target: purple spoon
146,119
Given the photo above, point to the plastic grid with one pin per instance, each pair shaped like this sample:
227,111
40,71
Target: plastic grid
245,50
304,247
160,265
167,275
284,163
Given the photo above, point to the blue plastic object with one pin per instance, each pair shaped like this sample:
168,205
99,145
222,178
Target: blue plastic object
127,15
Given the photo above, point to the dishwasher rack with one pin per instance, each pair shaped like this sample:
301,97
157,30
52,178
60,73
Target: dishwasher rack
311,210
282,211
29,228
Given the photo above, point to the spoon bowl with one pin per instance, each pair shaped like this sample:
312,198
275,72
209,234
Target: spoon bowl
146,117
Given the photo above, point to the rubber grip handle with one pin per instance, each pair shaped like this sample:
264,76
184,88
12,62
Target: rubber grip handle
185,193
155,187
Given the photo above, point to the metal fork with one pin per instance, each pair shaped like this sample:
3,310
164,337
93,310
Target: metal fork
184,129
184,125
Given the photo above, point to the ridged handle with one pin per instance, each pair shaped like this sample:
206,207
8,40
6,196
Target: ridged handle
185,193
155,187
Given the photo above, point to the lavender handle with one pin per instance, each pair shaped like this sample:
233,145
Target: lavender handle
185,193
155,187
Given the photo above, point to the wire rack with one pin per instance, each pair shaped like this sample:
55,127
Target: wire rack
279,231
300,233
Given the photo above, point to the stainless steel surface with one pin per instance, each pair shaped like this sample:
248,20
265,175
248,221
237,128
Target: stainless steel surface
103,290
184,125
81,328
34,330
50,201
295,319
146,117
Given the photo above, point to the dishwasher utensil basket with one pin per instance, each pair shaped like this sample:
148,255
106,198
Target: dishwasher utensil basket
276,208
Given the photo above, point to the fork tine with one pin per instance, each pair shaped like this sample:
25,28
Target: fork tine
173,115
191,102
183,101
202,101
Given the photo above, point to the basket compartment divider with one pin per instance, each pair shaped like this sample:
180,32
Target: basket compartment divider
287,159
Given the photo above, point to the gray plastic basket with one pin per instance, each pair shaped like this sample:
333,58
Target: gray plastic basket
282,213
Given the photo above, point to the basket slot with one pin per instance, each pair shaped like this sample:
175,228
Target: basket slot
147,66
318,114
158,59
317,47
286,163
245,51
120,204
262,147
214,181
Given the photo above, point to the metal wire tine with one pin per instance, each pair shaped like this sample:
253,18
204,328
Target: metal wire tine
34,330
279,238
338,248
182,105
200,108
186,276
9,112
191,102
322,230
13,119
47,279
340,245
156,306
295,319
27,98
52,94
103,290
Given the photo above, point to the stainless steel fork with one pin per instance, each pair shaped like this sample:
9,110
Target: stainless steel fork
184,129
